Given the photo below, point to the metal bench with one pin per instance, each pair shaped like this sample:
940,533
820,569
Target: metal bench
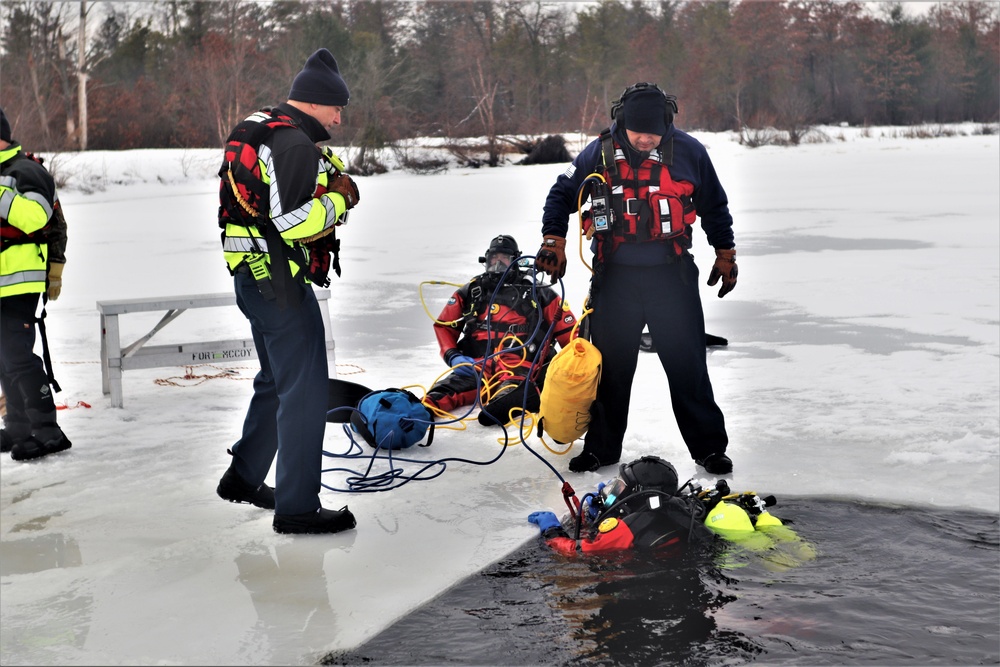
116,359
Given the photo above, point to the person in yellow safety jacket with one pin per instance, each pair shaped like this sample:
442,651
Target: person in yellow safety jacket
254,202
27,201
643,508
280,193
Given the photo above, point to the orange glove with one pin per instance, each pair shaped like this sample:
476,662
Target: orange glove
551,257
725,268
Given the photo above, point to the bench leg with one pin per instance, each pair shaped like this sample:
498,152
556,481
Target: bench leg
105,389
111,360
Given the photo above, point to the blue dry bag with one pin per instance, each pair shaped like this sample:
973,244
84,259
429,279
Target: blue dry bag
392,419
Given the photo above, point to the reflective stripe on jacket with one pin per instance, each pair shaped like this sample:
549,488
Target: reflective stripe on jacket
649,204
299,211
27,195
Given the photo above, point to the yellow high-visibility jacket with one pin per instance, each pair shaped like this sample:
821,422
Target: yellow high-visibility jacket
27,198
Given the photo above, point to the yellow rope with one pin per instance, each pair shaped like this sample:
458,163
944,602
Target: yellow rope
459,424
423,302
190,379
244,204
527,428
579,211
194,380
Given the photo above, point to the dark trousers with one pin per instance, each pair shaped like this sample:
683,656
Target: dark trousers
287,414
30,406
665,298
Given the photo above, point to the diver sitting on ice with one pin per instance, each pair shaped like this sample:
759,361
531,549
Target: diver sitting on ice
507,323
643,508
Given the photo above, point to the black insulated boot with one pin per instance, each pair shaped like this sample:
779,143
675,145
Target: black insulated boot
716,464
33,448
13,433
233,488
40,410
587,462
497,411
312,523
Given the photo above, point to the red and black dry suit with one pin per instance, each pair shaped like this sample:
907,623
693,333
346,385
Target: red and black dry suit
668,523
644,276
480,320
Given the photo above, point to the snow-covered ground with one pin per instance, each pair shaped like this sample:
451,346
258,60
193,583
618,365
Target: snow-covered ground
863,362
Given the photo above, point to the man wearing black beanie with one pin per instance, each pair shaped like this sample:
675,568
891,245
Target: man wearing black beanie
5,128
279,209
320,82
654,181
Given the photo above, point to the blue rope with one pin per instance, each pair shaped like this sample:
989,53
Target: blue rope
396,475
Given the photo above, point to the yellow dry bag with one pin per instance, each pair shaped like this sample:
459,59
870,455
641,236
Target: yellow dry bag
570,388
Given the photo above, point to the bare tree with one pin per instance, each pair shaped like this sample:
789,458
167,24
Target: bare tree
31,90
485,90
486,68
81,76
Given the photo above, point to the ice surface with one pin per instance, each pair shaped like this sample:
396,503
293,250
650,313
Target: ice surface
864,338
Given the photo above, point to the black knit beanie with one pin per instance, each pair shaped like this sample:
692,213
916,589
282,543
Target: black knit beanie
645,111
320,82
4,127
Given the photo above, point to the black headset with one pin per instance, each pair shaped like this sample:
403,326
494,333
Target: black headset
668,113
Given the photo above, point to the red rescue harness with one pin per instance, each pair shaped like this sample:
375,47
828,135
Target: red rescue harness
649,205
243,195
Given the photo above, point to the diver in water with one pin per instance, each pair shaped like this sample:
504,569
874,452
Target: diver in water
643,508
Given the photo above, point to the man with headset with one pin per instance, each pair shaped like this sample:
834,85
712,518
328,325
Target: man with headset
647,182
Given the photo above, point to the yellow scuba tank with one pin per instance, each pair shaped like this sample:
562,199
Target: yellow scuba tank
732,522
776,545
570,389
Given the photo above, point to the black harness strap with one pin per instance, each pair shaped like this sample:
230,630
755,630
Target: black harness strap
45,346
253,134
608,152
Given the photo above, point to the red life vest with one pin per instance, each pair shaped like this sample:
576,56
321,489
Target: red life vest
649,205
243,195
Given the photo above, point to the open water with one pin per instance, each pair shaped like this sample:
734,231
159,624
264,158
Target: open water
866,584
